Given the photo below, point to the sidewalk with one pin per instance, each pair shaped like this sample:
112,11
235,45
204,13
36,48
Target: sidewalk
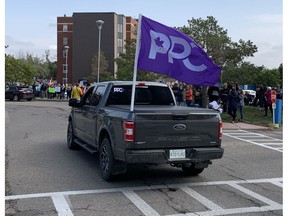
244,126
46,99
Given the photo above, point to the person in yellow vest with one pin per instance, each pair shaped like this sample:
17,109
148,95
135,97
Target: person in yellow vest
76,92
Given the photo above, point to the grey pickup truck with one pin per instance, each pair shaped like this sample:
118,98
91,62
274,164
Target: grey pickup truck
157,131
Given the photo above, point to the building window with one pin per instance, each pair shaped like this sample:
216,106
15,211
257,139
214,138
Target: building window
120,35
64,80
65,68
64,53
65,27
120,43
120,28
65,41
120,50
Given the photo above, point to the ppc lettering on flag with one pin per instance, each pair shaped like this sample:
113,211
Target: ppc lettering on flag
168,51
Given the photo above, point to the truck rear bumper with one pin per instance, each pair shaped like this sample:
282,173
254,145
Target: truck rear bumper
193,155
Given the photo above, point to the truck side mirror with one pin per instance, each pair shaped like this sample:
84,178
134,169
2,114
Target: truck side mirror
74,102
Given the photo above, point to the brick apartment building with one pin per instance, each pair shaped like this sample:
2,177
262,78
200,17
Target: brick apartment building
80,33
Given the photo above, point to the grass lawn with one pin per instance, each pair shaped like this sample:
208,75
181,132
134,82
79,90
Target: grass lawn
252,115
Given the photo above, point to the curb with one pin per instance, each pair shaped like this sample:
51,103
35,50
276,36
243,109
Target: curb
54,100
244,126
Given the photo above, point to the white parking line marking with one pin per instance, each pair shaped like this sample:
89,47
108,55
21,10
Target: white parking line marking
140,203
238,211
208,203
246,135
253,194
61,206
277,183
272,143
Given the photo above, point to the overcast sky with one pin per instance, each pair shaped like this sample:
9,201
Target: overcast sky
30,25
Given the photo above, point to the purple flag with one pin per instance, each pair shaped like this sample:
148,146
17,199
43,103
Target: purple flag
168,51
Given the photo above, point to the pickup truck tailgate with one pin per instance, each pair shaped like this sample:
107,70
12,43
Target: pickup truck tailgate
183,127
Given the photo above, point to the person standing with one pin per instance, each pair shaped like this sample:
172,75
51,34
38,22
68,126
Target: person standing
213,93
241,105
233,103
268,101
44,90
189,95
179,95
76,92
63,90
58,91
68,91
197,96
224,96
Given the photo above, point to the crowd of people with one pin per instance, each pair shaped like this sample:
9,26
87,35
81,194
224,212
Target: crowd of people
229,96
59,91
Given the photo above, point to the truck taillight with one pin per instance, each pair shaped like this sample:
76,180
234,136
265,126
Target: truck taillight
128,131
220,130
141,84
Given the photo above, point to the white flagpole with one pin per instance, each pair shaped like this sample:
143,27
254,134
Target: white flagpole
138,44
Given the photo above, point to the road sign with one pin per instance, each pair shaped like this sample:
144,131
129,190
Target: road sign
273,96
273,105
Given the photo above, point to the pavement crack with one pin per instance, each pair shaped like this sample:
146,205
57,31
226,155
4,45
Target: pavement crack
171,201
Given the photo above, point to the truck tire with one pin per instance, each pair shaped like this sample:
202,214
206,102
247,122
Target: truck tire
70,137
190,169
106,160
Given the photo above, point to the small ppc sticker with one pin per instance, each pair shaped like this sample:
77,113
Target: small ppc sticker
118,89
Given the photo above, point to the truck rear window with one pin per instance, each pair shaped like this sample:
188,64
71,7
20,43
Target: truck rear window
149,95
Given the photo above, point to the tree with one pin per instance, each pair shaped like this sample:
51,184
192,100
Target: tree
18,70
270,77
51,66
248,73
26,67
104,75
125,63
216,43
245,73
280,69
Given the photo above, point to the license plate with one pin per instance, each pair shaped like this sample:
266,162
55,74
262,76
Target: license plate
177,154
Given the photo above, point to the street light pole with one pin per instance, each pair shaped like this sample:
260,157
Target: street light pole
66,54
99,24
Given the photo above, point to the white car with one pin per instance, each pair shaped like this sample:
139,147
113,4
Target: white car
250,92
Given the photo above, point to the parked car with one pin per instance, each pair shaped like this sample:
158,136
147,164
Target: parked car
249,96
16,93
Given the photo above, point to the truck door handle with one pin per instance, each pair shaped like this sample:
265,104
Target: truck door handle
179,117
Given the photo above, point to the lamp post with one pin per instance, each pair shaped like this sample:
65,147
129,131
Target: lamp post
99,24
66,55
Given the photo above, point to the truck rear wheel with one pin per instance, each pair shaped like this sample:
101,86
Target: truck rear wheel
70,137
106,160
190,169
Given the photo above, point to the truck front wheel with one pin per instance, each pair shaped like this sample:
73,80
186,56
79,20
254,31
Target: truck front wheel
70,137
190,169
106,160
